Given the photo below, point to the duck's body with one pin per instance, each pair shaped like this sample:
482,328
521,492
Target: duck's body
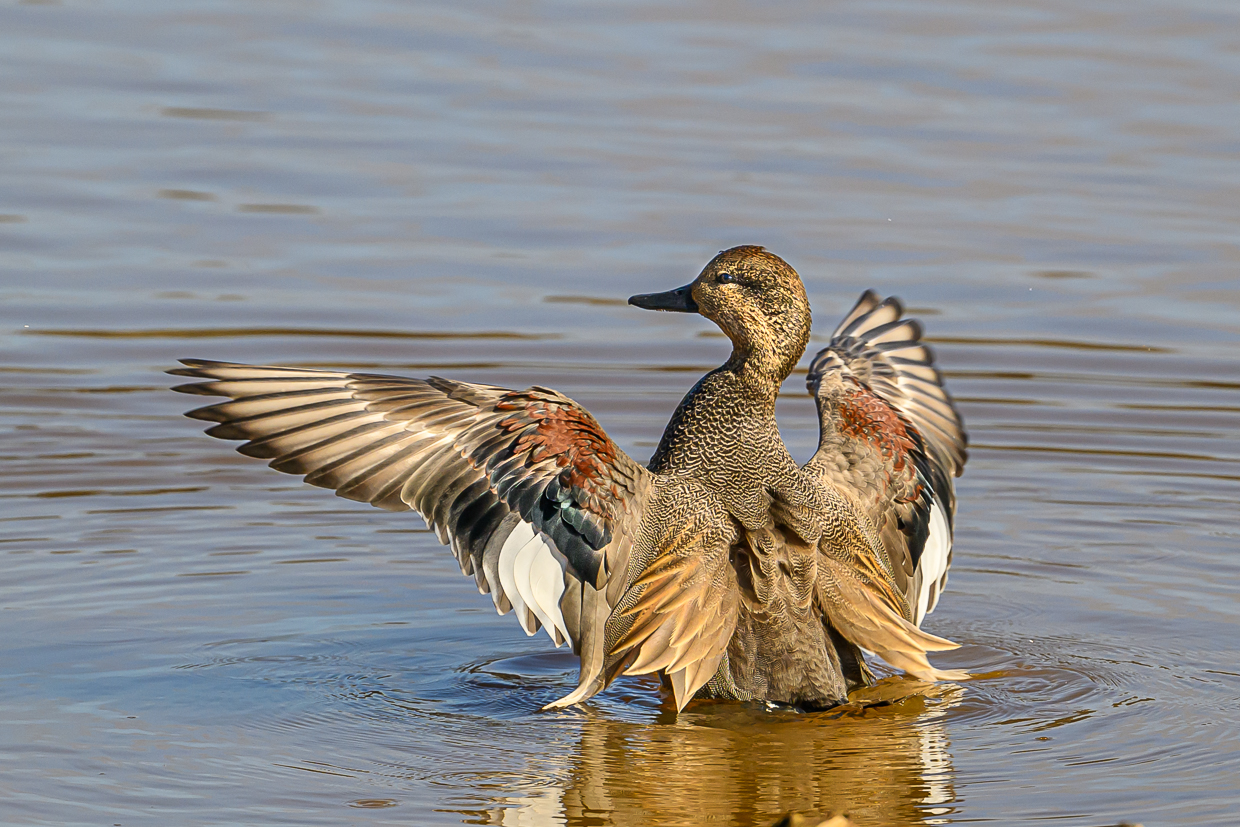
723,565
725,438
815,579
724,435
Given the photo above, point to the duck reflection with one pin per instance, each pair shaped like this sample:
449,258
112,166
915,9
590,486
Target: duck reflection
883,759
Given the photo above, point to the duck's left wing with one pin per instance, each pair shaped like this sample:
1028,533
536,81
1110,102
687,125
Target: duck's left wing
892,437
536,501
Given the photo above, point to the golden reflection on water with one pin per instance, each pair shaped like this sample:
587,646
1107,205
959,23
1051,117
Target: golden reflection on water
884,759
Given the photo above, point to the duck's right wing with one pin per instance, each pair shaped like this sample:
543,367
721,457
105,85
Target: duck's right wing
536,501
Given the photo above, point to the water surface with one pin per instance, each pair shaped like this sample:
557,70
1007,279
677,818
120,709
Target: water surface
190,638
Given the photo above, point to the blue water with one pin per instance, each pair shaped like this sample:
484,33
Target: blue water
191,638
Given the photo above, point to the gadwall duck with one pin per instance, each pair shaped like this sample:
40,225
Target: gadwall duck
722,565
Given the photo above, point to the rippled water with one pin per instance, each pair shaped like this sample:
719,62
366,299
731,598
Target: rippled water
190,638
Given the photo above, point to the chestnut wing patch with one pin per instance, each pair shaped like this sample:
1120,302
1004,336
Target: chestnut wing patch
863,415
573,484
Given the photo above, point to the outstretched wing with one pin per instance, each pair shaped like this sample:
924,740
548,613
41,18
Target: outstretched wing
891,436
537,503
885,352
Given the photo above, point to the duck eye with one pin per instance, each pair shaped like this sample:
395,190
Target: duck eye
726,278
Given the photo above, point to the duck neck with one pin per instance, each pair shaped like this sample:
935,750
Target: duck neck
758,375
762,363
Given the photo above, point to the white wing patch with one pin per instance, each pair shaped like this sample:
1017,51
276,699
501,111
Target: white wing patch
532,576
932,566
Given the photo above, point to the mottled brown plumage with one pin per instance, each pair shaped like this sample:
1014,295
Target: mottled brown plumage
815,580
723,565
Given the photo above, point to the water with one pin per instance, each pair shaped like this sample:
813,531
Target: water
190,638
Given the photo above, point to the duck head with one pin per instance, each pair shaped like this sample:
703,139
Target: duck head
758,300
